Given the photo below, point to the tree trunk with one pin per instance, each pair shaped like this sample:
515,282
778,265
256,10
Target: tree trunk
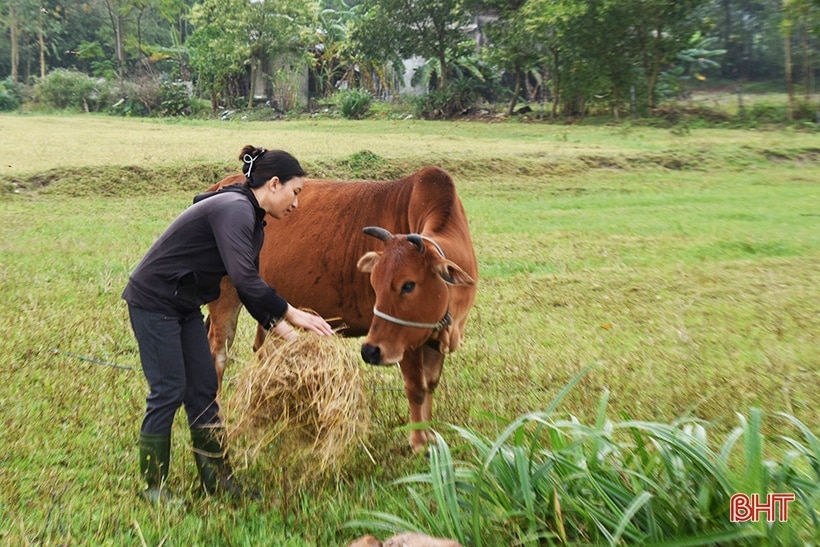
516,92
787,46
808,73
120,49
556,86
654,71
42,42
726,36
116,26
139,33
615,105
15,45
252,83
443,69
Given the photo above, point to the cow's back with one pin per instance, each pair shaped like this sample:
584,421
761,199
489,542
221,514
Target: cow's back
310,255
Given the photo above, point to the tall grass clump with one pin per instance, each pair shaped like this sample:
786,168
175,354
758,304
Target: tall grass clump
552,480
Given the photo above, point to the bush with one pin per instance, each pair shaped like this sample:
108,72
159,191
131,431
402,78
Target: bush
70,89
765,112
354,103
134,99
151,96
453,99
175,99
11,95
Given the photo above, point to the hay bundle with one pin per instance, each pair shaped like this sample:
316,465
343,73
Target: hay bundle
308,392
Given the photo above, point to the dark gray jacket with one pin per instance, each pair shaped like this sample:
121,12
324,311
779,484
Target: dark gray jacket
221,233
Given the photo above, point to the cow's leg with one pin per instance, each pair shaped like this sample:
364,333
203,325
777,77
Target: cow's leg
432,364
223,314
418,394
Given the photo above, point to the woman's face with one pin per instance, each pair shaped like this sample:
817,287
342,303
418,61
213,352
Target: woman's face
280,199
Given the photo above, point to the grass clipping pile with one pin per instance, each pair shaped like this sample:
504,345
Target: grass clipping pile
306,395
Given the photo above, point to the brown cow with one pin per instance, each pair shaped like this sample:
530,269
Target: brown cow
422,284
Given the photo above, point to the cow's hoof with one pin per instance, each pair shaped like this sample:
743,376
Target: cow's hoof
421,441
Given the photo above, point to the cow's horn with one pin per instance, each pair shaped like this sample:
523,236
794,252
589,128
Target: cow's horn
415,239
377,232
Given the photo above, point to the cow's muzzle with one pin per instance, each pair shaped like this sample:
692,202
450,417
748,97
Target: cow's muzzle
371,354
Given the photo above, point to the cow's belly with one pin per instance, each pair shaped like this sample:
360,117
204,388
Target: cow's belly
334,294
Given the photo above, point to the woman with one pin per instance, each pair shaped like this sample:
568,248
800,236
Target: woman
221,233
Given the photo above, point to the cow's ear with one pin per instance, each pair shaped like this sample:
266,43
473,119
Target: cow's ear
452,274
368,261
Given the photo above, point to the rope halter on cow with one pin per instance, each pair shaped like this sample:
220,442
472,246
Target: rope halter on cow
446,321
415,239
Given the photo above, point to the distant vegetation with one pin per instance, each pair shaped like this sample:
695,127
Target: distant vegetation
544,59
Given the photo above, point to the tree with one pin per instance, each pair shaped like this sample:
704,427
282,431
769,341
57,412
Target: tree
553,24
334,58
509,46
661,29
177,14
800,18
14,39
30,25
116,11
232,35
749,31
602,48
392,30
218,47
276,29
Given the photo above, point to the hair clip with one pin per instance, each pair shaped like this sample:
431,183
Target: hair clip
247,158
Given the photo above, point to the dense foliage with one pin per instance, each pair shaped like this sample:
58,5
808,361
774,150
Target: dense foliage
607,55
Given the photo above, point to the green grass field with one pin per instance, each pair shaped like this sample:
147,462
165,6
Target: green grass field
684,268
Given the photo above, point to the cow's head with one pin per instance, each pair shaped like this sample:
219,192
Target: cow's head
411,278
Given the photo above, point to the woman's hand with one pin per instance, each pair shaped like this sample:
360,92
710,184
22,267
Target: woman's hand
305,320
285,331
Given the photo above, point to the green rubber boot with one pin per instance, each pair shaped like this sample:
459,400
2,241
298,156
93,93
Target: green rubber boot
155,457
215,473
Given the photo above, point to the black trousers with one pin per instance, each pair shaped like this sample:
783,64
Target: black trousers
177,363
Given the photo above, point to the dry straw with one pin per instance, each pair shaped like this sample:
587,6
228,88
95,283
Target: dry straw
307,395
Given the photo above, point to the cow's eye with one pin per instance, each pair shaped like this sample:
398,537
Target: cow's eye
408,287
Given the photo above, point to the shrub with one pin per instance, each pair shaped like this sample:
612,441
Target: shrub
134,99
175,99
453,99
70,89
805,111
150,95
11,95
354,103
765,112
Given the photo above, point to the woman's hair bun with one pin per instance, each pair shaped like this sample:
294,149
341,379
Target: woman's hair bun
250,150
